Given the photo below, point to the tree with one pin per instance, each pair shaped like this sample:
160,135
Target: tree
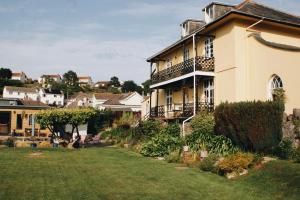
146,86
5,73
114,81
57,119
70,78
129,86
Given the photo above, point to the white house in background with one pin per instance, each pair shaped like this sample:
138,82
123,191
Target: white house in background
19,76
47,96
52,97
80,100
85,80
145,107
128,102
21,93
56,77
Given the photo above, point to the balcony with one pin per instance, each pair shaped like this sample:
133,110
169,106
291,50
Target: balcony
202,64
180,110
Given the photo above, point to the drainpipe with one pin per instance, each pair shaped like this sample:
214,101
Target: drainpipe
194,111
33,125
194,54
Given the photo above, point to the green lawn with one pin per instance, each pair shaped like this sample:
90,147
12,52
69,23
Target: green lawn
112,173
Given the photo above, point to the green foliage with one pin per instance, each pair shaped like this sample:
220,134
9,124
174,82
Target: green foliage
56,120
172,130
9,142
131,86
279,95
113,89
203,138
163,143
235,162
160,145
174,156
203,123
253,126
9,82
296,155
127,120
284,150
114,81
5,73
150,127
70,78
146,86
102,119
208,163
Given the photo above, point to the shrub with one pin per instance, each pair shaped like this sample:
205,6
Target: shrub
296,156
150,128
214,144
284,150
126,121
203,123
235,163
9,142
208,163
172,130
174,156
254,126
160,145
22,144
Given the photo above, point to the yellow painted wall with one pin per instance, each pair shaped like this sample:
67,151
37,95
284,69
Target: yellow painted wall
25,113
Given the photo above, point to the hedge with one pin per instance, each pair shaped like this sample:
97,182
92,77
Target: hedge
254,126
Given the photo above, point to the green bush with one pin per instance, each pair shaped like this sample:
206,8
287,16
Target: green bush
296,156
150,128
254,126
208,163
174,156
214,144
163,143
235,163
160,145
203,123
284,150
9,142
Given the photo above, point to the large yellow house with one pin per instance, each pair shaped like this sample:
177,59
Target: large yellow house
238,53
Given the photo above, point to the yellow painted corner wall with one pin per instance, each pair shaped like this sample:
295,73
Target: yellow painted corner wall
225,63
25,125
265,62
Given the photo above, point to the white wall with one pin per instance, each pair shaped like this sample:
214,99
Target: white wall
20,95
47,98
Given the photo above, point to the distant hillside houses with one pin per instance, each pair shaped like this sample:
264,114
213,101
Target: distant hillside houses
126,102
55,77
47,96
85,81
19,76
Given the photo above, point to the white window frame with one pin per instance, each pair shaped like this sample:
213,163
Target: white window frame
169,99
168,63
274,83
209,47
208,90
186,54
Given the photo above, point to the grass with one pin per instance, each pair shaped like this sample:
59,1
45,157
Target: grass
112,173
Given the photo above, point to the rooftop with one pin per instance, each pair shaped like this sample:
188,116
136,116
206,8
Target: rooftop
21,89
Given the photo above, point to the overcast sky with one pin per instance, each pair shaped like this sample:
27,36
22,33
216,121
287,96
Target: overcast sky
100,38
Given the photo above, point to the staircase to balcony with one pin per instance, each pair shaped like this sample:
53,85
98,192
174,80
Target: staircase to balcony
202,64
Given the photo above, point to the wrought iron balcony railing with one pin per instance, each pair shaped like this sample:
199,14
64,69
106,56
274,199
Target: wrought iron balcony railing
202,64
180,110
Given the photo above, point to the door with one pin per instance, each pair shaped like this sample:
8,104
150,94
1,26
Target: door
5,123
209,91
169,99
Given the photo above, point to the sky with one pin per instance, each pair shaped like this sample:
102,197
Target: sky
98,38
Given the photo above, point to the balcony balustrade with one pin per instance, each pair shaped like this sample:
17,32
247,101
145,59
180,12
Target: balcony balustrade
180,110
202,64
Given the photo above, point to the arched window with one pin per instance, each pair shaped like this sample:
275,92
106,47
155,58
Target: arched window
275,83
